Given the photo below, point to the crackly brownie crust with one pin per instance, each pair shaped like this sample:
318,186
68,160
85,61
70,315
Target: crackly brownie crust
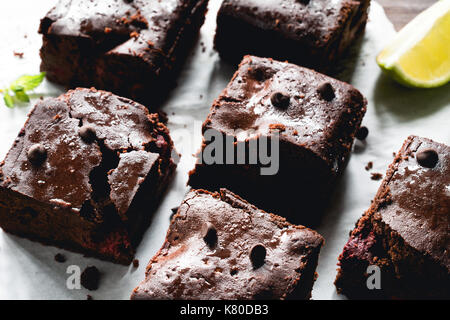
310,33
317,126
406,230
85,173
223,262
132,48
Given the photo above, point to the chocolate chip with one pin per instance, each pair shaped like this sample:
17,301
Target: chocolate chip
362,133
37,154
326,91
427,158
258,255
303,1
258,74
136,263
209,234
90,278
280,100
60,258
87,133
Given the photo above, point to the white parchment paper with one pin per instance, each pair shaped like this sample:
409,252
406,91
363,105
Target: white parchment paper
28,269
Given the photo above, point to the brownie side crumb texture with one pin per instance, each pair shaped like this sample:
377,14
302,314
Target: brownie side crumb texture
405,231
85,173
132,48
316,117
310,33
221,247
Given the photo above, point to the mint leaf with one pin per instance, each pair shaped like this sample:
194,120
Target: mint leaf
20,88
17,88
8,99
22,96
27,82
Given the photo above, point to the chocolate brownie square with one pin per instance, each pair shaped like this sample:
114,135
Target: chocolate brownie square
85,173
311,33
405,232
313,117
132,48
219,246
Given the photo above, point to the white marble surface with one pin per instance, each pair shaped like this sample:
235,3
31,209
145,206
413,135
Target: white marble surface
28,270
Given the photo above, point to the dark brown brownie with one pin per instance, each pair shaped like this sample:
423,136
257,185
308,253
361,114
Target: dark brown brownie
221,247
313,33
405,232
132,48
85,173
317,120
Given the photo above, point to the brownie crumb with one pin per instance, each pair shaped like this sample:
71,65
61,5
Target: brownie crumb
369,166
277,126
136,263
376,176
18,54
89,297
60,258
90,278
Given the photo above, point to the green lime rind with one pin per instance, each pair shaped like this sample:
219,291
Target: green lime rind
402,78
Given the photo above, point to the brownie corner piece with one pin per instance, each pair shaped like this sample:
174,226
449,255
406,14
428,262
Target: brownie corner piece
131,48
85,173
221,247
310,33
313,117
405,232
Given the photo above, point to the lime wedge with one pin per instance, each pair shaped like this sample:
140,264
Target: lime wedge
419,55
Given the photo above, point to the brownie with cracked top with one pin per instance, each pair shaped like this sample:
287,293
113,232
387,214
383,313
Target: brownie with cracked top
315,118
219,246
132,48
85,173
312,33
405,232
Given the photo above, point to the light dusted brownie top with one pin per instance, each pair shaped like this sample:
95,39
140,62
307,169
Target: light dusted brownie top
67,142
414,198
310,109
140,27
314,22
221,247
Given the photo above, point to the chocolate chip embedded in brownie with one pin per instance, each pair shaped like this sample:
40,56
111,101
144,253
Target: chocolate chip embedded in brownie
85,173
316,117
132,48
405,232
310,33
221,247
